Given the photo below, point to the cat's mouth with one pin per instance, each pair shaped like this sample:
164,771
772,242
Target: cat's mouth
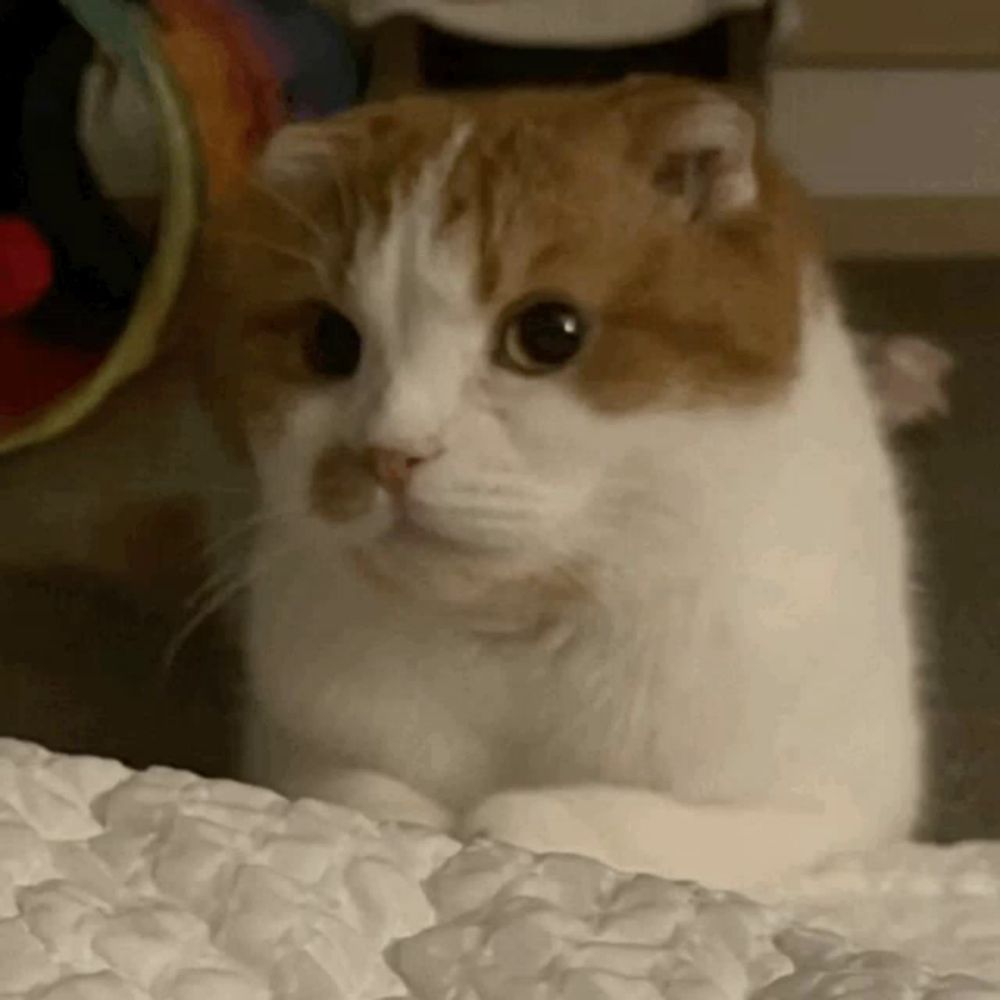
413,555
411,530
408,528
413,525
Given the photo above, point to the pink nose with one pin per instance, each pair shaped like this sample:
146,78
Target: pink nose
393,468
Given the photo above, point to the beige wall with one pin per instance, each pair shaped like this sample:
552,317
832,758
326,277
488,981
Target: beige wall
889,133
888,31
889,111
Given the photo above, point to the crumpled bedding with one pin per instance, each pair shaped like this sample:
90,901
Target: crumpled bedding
117,885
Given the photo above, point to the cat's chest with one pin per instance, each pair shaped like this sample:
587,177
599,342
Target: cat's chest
455,713
484,717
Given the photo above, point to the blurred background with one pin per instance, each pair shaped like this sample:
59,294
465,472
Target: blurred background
889,113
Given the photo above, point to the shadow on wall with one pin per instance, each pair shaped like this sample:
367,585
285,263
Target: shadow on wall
953,483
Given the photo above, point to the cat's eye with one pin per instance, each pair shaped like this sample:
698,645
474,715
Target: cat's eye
333,346
541,336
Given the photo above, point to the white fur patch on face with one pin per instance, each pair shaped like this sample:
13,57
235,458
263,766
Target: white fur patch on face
415,300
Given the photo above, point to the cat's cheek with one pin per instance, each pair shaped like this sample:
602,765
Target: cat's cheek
362,529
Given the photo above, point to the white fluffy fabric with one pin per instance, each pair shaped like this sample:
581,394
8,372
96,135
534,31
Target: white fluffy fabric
116,885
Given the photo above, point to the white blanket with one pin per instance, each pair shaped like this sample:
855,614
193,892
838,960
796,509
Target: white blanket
115,884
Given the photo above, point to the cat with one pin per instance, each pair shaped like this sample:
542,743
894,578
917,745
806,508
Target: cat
577,526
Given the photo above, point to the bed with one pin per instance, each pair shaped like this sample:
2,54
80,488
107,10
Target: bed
117,885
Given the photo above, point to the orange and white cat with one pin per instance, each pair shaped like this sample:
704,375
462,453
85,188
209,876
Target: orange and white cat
578,529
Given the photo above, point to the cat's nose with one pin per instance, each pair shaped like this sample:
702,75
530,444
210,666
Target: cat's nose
393,467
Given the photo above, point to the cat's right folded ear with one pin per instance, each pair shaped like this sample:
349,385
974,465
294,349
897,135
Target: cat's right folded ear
698,143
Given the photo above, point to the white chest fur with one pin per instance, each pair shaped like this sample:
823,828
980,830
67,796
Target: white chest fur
751,649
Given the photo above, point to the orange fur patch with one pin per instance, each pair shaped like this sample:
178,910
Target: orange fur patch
562,192
343,486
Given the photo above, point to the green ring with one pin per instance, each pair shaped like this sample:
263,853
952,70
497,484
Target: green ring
180,216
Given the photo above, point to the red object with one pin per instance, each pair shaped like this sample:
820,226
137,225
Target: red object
25,266
33,374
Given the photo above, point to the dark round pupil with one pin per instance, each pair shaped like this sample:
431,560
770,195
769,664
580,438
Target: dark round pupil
549,333
334,347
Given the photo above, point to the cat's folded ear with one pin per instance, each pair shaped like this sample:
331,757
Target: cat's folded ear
300,153
698,144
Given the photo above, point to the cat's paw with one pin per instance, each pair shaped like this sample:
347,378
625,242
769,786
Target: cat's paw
385,799
548,821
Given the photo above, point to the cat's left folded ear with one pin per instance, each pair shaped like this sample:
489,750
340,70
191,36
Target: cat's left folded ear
699,142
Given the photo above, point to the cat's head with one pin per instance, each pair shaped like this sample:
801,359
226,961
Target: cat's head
449,328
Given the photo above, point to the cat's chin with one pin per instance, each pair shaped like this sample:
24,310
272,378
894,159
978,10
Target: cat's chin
510,595
433,568
409,558
405,534
411,533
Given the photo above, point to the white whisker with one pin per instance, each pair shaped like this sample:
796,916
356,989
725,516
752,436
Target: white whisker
478,512
238,531
215,594
296,212
223,594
